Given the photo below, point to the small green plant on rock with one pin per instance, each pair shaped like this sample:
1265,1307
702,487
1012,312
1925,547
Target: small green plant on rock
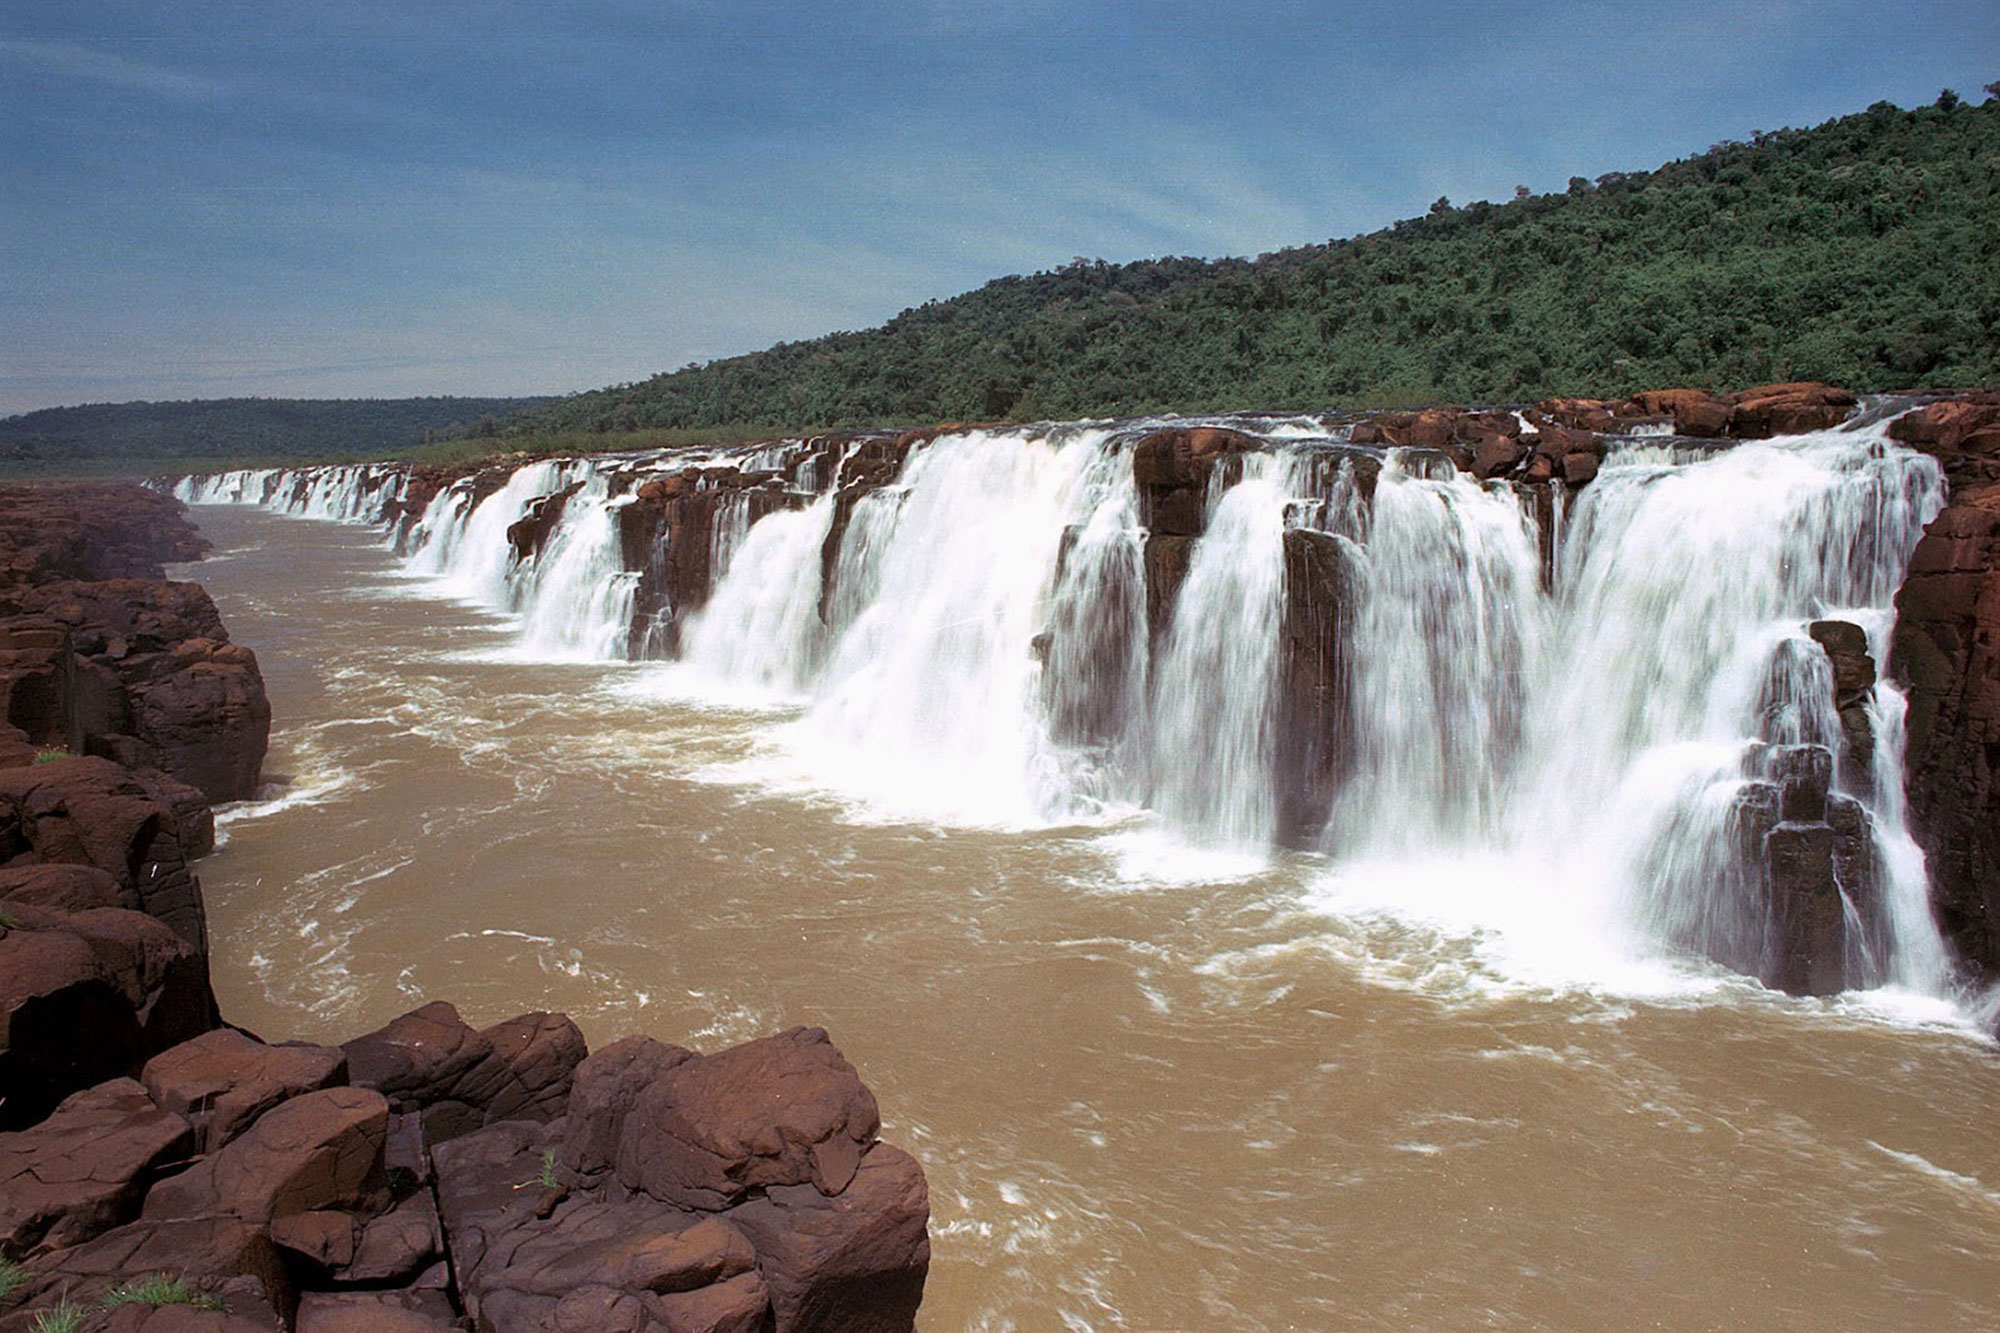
7,922
159,1289
64,1318
12,1274
49,755
548,1179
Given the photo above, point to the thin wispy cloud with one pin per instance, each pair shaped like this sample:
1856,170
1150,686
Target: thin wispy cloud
70,61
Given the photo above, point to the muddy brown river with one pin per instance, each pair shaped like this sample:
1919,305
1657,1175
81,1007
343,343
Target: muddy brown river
1150,1090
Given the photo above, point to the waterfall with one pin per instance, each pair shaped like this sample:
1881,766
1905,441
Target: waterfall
575,595
343,493
1450,628
761,627
1213,706
930,700
1605,720
462,538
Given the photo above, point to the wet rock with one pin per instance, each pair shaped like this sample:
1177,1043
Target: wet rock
1947,652
85,1169
1803,774
223,1080
1498,456
1696,413
1590,415
852,1262
1315,743
1172,468
1806,910
783,1110
1963,433
1846,647
530,533
1788,409
1857,869
1167,560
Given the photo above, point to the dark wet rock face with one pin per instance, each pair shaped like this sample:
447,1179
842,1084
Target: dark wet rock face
1947,652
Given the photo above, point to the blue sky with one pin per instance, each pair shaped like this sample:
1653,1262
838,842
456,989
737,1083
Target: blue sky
214,198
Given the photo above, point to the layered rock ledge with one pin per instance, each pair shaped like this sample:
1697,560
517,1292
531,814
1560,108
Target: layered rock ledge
427,1175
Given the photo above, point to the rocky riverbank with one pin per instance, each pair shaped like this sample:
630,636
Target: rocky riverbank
428,1175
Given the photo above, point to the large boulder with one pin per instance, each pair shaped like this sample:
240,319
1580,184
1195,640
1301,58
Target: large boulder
1962,433
432,1063
1696,413
1788,409
140,671
142,829
849,1263
204,1252
224,1079
317,1152
783,1110
522,1253
87,996
607,1085
85,1169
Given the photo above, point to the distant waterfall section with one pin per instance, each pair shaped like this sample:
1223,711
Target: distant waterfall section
1650,703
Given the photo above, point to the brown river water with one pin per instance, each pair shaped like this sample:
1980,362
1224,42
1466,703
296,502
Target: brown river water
1148,1093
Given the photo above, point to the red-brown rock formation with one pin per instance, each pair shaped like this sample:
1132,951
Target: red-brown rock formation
1947,650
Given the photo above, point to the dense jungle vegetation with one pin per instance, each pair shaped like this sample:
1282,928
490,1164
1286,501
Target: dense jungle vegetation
139,437
1864,251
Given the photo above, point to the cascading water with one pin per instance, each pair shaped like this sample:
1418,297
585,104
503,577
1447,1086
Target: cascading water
349,493
1449,630
930,698
575,594
462,538
1213,711
1593,719
761,627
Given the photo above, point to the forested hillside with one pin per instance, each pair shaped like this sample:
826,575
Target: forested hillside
1864,251
238,430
